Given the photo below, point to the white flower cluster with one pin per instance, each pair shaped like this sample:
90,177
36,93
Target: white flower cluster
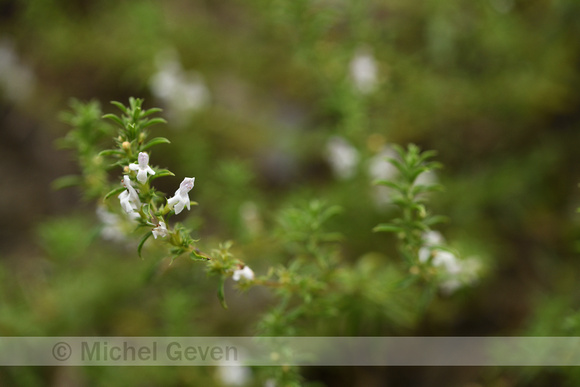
456,272
129,198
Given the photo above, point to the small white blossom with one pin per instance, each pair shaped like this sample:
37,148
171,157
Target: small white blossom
342,157
181,197
129,198
143,167
447,260
160,230
244,272
363,71
234,375
430,240
184,92
112,229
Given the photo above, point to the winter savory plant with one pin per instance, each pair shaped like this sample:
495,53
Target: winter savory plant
316,283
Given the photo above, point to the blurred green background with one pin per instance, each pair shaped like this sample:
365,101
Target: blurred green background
254,90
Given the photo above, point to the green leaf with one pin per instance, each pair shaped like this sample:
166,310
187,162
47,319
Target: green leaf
387,228
151,111
390,184
66,181
116,191
432,220
120,106
154,121
155,141
161,173
221,293
109,152
115,118
142,242
197,255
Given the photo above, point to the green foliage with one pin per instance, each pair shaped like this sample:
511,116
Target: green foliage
491,85
410,198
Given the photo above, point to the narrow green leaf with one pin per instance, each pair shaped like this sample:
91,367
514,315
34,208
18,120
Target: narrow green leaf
142,242
115,118
387,228
154,121
66,181
116,191
432,220
155,141
221,293
120,106
109,152
390,184
151,111
161,173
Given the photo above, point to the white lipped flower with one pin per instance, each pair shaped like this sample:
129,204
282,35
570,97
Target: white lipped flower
143,167
129,198
160,230
181,197
245,272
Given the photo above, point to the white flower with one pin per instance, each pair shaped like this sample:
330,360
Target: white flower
447,260
129,198
363,71
160,230
143,167
430,240
112,229
244,272
234,375
181,197
342,157
184,92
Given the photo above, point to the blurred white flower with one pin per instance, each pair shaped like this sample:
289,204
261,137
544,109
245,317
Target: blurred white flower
184,92
181,197
380,168
447,260
455,272
129,199
234,375
244,272
112,229
16,78
363,71
160,230
430,240
342,157
143,167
